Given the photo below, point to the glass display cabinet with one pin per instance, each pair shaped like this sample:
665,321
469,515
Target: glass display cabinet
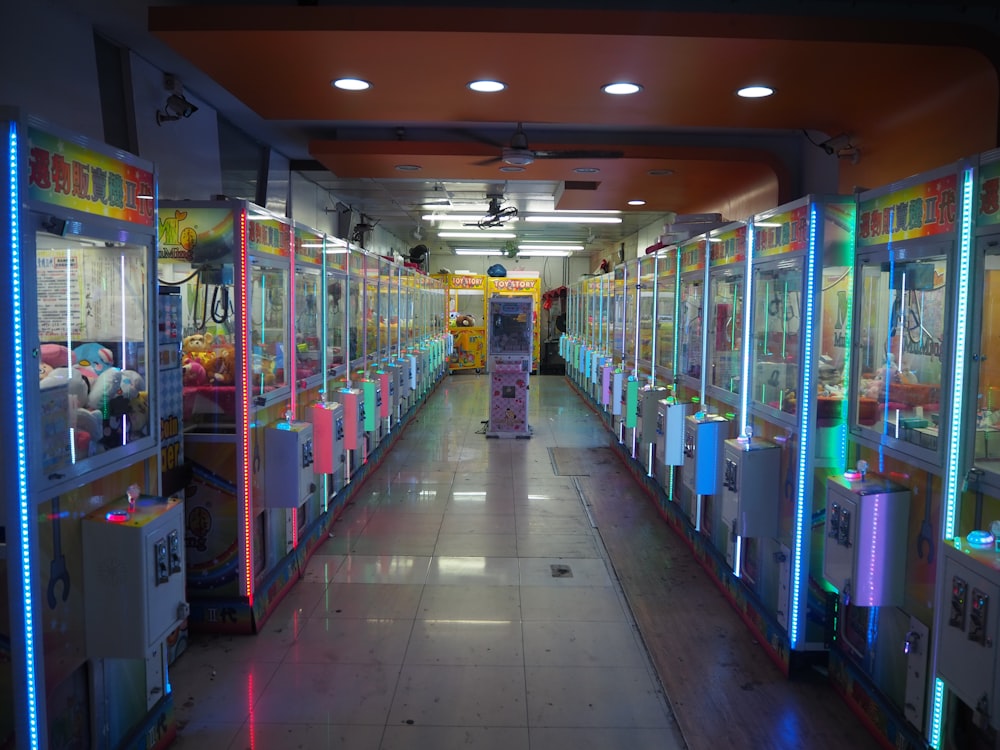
309,299
646,284
726,312
466,295
335,326
666,314
777,319
631,293
903,320
691,331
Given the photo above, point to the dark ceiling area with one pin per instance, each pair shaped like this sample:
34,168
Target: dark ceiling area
864,94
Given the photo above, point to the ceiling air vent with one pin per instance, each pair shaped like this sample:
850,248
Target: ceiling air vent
581,184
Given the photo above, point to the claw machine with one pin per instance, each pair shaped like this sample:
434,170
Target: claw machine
234,264
520,286
510,356
81,450
966,675
466,320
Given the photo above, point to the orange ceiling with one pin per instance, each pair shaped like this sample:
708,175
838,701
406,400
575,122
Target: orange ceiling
280,60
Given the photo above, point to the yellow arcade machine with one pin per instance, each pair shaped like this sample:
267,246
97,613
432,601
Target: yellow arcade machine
521,286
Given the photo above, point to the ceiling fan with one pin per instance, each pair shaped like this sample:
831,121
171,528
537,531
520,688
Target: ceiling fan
519,154
496,215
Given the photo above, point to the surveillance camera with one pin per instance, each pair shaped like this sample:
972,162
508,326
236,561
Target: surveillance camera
178,105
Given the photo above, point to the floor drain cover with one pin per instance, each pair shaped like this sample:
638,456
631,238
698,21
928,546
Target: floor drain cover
561,571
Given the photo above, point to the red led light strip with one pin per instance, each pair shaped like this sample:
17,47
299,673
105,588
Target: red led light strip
244,400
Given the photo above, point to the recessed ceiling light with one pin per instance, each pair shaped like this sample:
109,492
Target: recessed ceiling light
755,92
408,167
351,84
487,86
637,202
511,168
659,172
586,170
620,88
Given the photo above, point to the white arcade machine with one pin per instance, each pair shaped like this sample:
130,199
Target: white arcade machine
509,345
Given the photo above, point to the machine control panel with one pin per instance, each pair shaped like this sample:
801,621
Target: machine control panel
288,443
703,440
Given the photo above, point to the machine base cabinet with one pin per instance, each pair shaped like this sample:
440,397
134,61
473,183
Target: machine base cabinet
865,553
133,576
750,491
967,628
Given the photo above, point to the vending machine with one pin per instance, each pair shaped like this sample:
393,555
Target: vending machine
510,347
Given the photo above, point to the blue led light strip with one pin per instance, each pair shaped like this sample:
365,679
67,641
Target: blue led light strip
937,712
802,512
961,348
24,509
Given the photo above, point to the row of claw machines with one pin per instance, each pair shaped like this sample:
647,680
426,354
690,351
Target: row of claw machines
195,390
813,398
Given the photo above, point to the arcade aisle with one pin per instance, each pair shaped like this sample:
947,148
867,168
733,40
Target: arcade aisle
467,600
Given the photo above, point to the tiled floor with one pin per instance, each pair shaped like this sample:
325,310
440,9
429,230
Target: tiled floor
464,600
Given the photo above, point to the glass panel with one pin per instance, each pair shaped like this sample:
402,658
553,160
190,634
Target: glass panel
372,319
901,312
987,450
308,322
692,302
838,286
268,303
356,306
92,305
666,292
336,320
777,313
647,273
725,328
618,314
631,310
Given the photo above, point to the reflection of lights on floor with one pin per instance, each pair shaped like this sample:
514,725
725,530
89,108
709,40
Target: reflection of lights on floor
470,622
461,564
465,497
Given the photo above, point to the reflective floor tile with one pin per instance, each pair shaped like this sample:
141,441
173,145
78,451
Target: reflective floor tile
487,545
398,601
574,603
417,544
582,644
466,642
599,738
472,602
322,735
201,736
548,524
592,697
212,692
411,737
382,569
557,545
475,523
460,696
344,640
477,570
321,567
328,694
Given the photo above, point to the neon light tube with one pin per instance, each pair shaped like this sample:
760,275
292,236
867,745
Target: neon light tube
245,481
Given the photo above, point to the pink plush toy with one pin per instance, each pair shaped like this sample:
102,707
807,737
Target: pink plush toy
194,373
57,355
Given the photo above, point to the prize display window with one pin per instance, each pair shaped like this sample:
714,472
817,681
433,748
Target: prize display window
776,335
692,304
831,365
391,278
356,308
666,307
617,321
726,292
308,321
269,317
900,323
336,318
986,452
646,306
631,312
94,379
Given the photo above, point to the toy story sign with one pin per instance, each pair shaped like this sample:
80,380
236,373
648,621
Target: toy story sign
782,233
64,173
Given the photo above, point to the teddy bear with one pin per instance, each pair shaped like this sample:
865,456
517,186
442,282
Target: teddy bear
465,321
138,412
223,367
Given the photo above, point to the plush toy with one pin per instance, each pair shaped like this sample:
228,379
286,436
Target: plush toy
194,341
106,394
77,386
132,383
93,359
138,411
223,369
194,372
57,355
465,321
44,370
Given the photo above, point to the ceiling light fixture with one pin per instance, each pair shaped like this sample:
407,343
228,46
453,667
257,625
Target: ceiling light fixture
452,217
621,88
487,86
538,253
511,168
755,92
408,167
473,251
527,247
575,219
351,84
637,202
484,234
660,172
586,170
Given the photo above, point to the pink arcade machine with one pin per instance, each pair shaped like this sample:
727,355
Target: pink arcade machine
509,346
